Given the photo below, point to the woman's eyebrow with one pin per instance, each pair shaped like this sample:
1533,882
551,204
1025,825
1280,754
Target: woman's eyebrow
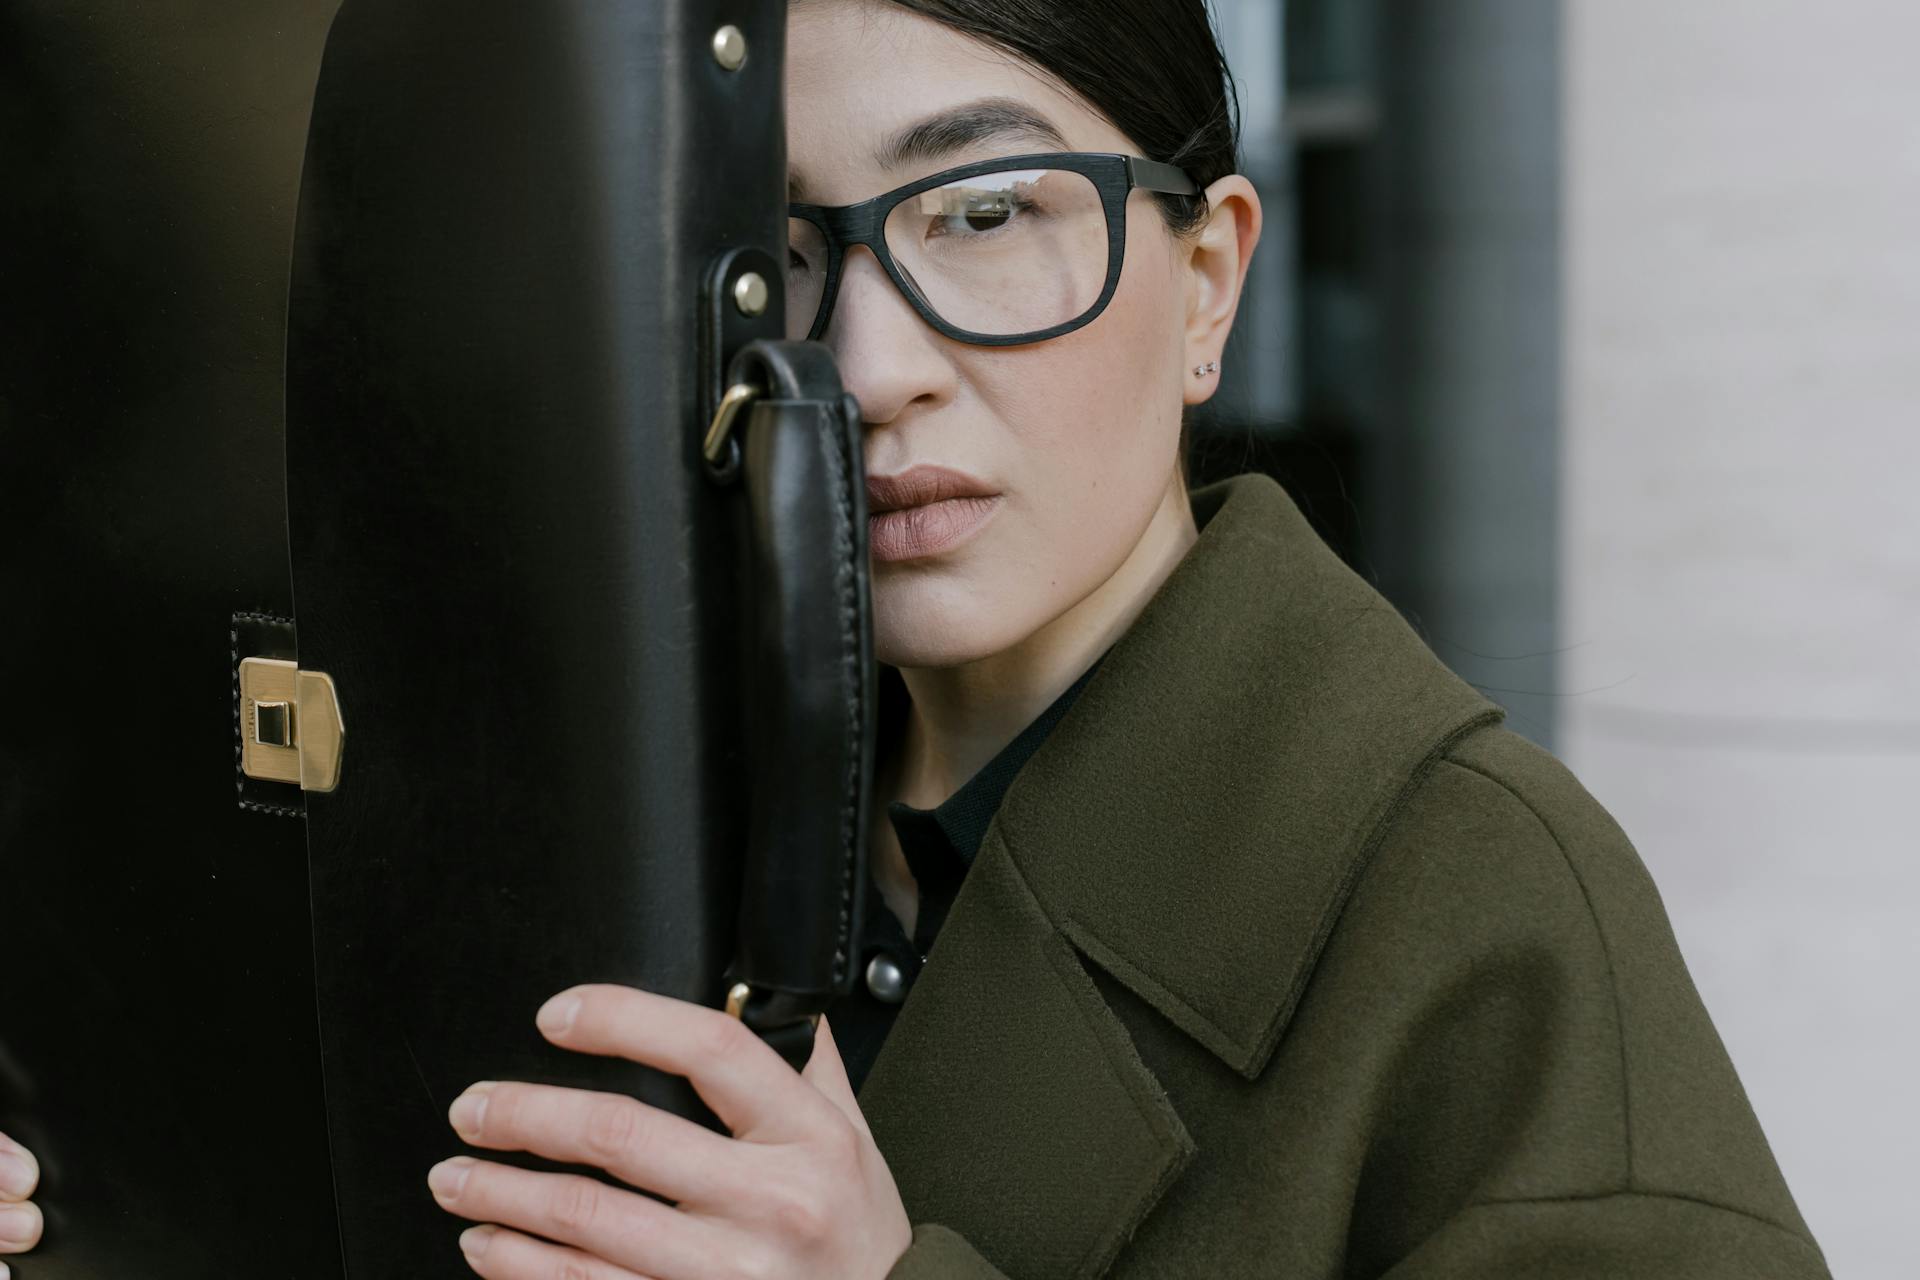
985,120
955,128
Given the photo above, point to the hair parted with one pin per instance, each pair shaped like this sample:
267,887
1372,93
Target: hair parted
1153,67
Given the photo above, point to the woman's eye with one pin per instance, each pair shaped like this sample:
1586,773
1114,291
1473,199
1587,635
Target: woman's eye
978,216
805,259
988,218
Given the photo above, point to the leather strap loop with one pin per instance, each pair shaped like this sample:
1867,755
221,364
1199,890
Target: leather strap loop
809,690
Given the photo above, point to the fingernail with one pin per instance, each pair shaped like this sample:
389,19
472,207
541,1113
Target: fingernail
5,1271
469,1110
18,1223
449,1176
17,1176
556,1015
473,1242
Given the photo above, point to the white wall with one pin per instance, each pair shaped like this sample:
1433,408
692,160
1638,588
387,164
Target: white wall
1740,550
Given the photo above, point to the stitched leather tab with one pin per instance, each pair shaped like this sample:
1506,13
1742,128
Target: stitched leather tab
261,635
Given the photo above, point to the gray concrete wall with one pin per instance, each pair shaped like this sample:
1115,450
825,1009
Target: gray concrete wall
1740,554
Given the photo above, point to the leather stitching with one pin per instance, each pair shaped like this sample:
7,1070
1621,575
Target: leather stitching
846,584
239,775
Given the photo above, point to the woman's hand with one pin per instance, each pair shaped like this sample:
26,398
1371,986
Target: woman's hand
19,1217
799,1190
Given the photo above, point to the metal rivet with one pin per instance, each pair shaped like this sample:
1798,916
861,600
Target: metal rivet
750,294
885,979
729,47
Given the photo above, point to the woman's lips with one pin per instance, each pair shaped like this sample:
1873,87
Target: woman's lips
913,532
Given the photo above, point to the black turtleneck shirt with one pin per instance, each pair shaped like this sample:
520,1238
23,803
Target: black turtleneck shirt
940,845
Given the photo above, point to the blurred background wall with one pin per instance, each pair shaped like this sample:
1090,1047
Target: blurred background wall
1590,331
1740,560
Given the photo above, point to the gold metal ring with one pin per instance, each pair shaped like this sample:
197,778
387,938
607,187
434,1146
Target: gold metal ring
738,397
738,995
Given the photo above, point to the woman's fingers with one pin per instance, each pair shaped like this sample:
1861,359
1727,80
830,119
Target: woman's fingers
498,1254
827,1073
19,1171
20,1227
20,1221
623,1227
748,1085
638,1144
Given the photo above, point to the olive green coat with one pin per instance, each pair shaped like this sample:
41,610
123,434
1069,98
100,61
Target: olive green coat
1283,958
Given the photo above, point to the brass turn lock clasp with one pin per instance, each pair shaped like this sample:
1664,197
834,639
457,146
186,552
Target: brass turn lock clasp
290,725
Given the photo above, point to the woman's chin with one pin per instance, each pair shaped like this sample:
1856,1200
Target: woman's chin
937,620
934,647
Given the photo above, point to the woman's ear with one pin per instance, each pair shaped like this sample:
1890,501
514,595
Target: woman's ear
1216,272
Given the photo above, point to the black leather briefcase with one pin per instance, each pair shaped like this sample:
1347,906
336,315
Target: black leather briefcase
512,632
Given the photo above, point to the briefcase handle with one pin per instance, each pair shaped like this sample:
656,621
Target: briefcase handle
808,684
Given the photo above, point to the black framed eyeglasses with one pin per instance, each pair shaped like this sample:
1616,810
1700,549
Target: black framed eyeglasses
996,253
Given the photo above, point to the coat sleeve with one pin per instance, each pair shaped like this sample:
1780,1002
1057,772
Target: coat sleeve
1650,1237
941,1253
1546,1095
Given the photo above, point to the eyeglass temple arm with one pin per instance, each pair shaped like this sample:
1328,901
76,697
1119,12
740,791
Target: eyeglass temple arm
1155,176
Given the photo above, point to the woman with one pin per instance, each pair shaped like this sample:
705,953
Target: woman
1262,948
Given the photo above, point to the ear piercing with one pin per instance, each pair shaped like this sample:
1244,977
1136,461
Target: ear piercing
1202,370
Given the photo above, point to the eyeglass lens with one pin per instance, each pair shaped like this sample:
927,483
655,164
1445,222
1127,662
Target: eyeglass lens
998,254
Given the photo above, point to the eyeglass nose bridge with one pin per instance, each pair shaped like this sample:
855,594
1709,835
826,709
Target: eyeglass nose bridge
897,278
859,223
863,225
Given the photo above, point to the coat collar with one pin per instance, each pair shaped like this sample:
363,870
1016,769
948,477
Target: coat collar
1196,820
1193,824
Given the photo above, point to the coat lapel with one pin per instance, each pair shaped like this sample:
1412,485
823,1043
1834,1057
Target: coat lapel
1197,819
1008,1099
1193,824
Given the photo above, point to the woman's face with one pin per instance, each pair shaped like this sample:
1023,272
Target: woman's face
1077,435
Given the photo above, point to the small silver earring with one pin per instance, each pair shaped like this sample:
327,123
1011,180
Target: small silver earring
1202,370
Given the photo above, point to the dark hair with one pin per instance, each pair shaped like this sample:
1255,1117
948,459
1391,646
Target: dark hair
1153,67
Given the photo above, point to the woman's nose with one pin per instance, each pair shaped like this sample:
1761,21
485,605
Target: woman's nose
865,288
889,357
